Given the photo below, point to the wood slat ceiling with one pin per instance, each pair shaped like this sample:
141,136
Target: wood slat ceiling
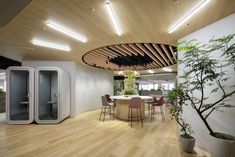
131,56
141,21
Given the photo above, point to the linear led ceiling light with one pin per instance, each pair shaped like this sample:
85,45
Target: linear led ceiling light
51,45
188,16
167,69
113,17
66,31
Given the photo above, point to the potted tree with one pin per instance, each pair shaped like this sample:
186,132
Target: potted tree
177,97
205,76
130,87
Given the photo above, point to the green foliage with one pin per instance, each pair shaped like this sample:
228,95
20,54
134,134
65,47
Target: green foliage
130,87
116,87
177,96
201,71
2,92
129,91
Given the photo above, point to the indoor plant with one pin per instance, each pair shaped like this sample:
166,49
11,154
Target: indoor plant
204,76
177,97
116,87
130,87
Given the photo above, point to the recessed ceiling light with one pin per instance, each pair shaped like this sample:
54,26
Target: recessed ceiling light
150,71
66,31
51,45
167,69
120,72
113,17
188,15
136,74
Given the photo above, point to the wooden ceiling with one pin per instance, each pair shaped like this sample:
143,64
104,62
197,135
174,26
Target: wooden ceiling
132,56
141,21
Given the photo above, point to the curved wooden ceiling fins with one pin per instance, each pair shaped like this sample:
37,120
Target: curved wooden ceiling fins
131,56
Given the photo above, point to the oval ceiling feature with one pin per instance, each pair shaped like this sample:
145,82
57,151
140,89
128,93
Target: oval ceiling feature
131,56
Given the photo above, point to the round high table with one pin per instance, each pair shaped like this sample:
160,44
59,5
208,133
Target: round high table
122,105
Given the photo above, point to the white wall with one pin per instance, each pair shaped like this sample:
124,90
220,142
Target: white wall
3,80
219,121
91,84
87,84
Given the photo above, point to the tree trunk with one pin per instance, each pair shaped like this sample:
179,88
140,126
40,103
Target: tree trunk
206,123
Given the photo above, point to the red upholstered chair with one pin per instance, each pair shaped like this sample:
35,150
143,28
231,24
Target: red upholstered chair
158,103
107,96
107,108
134,112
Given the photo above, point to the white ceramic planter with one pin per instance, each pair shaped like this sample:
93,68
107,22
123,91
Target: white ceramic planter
222,148
187,144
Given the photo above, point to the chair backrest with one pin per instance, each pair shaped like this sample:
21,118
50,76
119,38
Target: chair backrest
104,101
107,96
135,102
161,101
158,102
154,99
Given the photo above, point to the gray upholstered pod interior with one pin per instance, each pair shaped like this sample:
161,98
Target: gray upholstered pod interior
48,95
19,101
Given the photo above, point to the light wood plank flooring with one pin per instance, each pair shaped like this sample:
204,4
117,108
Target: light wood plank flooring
86,136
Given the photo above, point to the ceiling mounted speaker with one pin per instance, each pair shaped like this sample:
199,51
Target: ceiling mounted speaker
10,8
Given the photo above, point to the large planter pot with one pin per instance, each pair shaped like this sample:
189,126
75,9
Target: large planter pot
221,147
187,143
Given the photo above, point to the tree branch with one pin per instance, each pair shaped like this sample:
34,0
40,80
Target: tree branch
210,112
221,87
192,103
202,90
224,96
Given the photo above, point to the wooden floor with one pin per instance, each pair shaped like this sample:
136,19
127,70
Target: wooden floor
86,136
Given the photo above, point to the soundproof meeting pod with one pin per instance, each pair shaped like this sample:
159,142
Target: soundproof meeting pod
52,95
20,95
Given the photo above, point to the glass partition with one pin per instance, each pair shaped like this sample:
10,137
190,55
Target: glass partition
19,100
48,95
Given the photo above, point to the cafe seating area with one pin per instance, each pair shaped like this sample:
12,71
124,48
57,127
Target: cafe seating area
152,106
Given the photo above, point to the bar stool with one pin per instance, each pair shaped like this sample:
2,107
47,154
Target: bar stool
135,104
154,100
107,96
160,104
107,108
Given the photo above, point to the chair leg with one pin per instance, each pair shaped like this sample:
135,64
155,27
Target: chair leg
141,117
104,113
137,116
113,109
149,110
110,112
101,112
152,112
131,118
162,113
